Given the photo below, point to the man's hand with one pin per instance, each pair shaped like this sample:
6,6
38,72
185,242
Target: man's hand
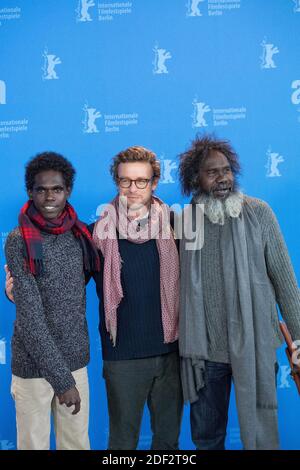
69,398
9,284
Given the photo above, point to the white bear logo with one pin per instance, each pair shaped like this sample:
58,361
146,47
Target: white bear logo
193,8
269,50
91,114
200,109
51,61
83,10
161,55
2,92
167,166
297,6
272,165
284,374
2,351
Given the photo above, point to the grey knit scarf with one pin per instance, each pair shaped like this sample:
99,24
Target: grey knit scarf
249,300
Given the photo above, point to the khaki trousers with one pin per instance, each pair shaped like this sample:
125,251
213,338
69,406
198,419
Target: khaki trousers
35,401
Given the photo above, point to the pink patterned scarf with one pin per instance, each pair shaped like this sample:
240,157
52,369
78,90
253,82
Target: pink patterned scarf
114,218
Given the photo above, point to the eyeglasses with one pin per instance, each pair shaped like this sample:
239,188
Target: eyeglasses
140,183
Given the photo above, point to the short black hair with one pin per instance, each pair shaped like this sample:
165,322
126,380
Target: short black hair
49,161
192,160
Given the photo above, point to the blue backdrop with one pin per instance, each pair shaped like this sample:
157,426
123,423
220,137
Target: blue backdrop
87,78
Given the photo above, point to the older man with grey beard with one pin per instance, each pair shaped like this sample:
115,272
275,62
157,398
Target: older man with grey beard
229,327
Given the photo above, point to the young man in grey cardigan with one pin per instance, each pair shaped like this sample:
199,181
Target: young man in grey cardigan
228,327
47,255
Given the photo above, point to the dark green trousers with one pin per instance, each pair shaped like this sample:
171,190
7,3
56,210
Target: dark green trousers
132,383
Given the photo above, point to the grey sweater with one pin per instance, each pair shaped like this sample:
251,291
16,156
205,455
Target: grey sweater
50,333
280,272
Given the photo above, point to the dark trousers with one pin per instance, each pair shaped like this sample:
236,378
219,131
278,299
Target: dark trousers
209,414
132,383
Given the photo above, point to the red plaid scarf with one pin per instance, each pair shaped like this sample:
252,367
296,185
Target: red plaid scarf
32,223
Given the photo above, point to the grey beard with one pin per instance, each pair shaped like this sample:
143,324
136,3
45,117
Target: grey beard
217,210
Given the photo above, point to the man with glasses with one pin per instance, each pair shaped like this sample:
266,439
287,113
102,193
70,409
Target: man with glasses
138,306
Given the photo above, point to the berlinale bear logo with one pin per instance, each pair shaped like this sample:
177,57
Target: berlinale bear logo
161,55
83,10
2,92
2,351
167,166
200,108
266,58
50,62
272,164
297,6
90,116
193,8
